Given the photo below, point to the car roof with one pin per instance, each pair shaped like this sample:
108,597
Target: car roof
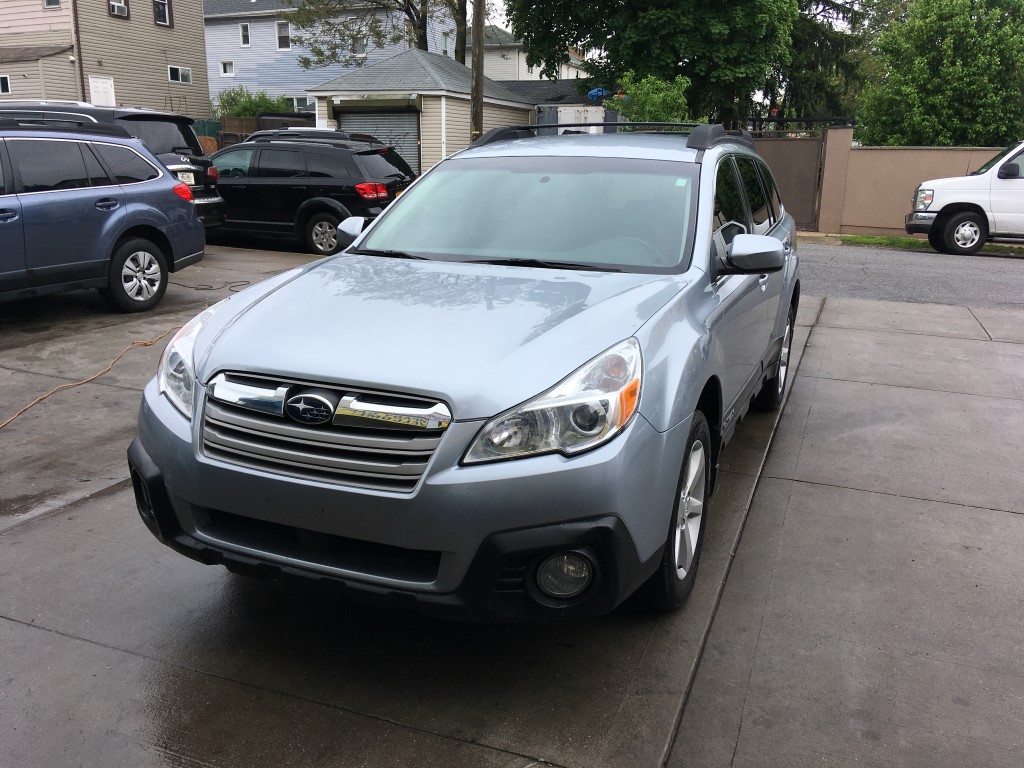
87,131
351,145
625,145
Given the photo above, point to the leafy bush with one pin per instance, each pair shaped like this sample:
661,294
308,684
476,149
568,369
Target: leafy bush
651,100
241,102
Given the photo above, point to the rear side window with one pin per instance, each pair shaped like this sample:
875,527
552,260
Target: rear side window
126,166
97,176
384,164
47,166
759,210
773,191
333,165
281,164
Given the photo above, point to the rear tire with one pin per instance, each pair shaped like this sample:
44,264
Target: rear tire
964,233
138,276
669,586
772,391
322,234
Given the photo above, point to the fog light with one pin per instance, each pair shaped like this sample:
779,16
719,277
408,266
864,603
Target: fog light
564,575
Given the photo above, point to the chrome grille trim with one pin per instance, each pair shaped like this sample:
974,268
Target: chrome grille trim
244,423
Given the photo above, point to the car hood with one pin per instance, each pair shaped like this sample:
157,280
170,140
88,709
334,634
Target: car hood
958,183
481,337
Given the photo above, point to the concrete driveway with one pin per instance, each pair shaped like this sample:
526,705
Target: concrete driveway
848,625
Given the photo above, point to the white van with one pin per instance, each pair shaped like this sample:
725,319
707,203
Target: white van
960,213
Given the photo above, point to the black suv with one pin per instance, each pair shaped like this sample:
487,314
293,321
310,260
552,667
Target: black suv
305,185
167,135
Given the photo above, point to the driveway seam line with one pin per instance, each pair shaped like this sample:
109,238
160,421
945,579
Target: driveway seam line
286,694
916,389
911,333
70,378
897,495
732,553
981,324
112,488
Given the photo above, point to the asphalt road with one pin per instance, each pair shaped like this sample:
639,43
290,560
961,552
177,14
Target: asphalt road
921,278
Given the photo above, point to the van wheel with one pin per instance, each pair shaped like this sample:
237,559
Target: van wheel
965,233
322,234
138,276
935,240
671,584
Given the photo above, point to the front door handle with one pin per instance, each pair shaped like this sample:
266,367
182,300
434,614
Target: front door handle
7,214
107,204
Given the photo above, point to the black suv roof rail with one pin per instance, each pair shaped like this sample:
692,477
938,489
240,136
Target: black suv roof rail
699,136
70,126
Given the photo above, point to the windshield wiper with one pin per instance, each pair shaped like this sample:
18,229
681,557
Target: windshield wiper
547,264
392,254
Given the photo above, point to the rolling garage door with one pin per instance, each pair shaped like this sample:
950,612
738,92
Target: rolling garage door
400,130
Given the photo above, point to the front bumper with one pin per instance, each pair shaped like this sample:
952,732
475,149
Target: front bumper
465,544
919,222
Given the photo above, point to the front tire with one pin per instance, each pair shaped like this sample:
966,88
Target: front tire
322,234
965,232
772,391
936,242
671,584
138,276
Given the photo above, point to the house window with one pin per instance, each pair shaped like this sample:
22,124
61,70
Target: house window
358,47
444,44
51,3
5,83
179,75
297,103
162,12
227,69
284,36
118,8
243,35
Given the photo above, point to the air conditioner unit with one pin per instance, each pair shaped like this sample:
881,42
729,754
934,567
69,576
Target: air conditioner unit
118,9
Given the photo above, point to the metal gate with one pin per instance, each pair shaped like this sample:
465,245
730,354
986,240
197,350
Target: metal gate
400,130
796,163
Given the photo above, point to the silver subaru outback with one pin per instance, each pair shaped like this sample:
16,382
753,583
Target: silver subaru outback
505,399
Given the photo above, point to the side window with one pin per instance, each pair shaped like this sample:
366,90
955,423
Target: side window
97,176
730,215
234,164
331,165
126,166
4,173
773,192
281,164
759,210
46,166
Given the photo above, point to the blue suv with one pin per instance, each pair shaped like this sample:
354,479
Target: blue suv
91,207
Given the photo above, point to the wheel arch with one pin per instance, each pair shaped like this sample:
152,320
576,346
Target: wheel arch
316,205
710,404
146,232
959,207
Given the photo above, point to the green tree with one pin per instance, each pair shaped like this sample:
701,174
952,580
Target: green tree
952,75
824,71
724,49
340,31
651,100
241,102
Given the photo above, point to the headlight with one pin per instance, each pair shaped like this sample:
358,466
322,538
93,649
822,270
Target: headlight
923,199
585,410
176,374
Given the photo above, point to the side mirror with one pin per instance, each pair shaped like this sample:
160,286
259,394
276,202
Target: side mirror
1009,171
350,229
753,254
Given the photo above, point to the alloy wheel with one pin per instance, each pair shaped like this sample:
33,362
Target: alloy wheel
691,510
325,236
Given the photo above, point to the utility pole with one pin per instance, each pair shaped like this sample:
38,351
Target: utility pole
476,94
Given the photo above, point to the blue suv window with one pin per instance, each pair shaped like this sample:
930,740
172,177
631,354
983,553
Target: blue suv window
47,165
126,166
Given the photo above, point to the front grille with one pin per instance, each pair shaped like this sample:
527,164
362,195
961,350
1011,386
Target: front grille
244,423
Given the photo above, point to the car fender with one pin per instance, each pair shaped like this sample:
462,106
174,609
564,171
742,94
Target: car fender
316,205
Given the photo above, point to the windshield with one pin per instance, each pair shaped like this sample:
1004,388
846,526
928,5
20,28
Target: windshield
994,161
635,215
164,137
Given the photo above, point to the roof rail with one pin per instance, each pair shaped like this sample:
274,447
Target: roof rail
699,136
71,126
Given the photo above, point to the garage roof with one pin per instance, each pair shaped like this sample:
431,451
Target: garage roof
415,71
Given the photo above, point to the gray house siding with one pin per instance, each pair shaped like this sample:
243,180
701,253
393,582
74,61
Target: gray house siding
262,67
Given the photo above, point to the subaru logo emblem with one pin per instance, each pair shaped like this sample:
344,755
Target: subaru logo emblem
309,408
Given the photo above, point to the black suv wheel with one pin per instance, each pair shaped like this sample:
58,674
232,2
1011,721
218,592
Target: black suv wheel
322,233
